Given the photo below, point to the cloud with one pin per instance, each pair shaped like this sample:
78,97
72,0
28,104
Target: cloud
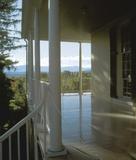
69,61
67,50
45,61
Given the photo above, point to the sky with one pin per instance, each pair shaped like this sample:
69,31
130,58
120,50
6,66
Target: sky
69,53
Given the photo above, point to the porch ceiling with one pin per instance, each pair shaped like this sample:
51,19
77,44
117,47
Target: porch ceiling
78,17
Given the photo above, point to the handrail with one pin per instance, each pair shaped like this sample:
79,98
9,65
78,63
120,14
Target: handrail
44,88
19,124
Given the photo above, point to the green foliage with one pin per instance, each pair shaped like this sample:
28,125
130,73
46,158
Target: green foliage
18,103
13,102
5,62
19,99
44,76
8,21
6,92
12,95
70,81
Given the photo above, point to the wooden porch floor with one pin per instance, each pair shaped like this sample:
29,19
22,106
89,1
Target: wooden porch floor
80,137
80,151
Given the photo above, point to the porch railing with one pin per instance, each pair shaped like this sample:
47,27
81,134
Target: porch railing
36,117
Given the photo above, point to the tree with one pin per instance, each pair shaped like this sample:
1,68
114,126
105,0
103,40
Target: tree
18,103
9,36
6,92
8,21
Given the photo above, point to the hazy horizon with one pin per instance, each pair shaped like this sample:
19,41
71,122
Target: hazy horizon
22,69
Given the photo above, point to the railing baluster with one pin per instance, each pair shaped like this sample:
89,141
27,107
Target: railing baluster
35,139
27,141
10,149
0,150
16,129
44,115
18,143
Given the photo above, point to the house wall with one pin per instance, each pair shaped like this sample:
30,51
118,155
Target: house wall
112,120
101,64
119,66
100,84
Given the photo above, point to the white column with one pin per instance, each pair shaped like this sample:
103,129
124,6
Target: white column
30,70
37,56
80,68
54,78
80,87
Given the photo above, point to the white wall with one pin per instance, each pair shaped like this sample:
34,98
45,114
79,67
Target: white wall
112,123
101,64
119,66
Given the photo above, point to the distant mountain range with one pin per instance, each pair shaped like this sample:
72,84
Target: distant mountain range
21,70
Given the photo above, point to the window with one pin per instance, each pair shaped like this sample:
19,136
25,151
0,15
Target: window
126,49
123,60
113,63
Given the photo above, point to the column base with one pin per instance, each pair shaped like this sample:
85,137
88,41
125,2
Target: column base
57,153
